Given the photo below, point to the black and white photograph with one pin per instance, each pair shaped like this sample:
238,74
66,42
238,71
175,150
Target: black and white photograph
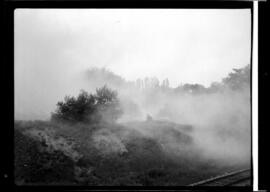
132,97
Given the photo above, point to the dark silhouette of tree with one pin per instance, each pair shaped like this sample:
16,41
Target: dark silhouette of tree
76,109
89,108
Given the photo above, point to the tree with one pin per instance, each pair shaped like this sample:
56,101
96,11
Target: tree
194,88
238,79
89,108
108,105
75,109
154,82
165,83
146,82
215,87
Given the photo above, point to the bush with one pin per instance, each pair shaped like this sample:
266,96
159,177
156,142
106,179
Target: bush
33,164
108,106
88,108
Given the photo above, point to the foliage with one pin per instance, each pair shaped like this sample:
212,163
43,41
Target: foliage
108,105
145,161
89,108
238,79
33,164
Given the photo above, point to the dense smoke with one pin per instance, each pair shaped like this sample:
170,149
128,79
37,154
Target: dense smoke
100,89
219,114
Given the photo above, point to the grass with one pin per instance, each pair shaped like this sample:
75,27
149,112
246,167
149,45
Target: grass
136,153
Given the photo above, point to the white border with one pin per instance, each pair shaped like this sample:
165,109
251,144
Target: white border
255,97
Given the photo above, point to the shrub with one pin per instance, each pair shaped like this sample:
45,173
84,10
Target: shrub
108,105
34,165
75,109
88,108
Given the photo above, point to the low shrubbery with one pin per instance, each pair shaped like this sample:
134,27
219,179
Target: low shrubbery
34,164
89,108
42,153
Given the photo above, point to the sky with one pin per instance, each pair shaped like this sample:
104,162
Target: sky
54,46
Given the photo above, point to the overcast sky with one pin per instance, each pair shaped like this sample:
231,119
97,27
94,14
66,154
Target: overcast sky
53,46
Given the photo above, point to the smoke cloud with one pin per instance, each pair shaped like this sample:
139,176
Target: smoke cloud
53,51
219,120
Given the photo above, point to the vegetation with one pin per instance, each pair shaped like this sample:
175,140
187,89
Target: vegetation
34,163
109,155
89,108
83,144
237,79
